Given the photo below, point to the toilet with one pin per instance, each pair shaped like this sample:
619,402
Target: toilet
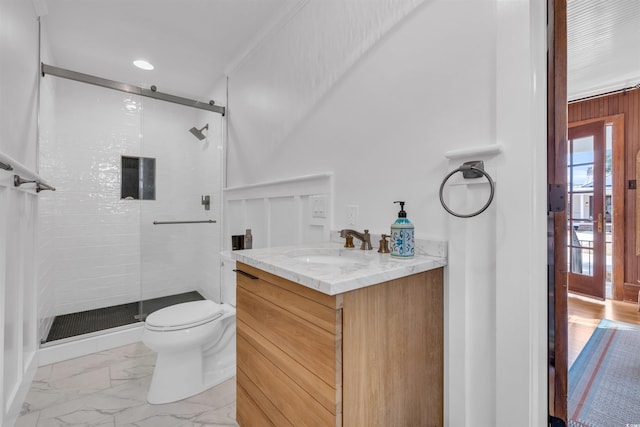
195,342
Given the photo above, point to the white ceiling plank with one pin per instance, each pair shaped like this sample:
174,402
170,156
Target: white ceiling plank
603,46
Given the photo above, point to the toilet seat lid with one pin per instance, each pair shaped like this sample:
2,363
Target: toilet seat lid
184,315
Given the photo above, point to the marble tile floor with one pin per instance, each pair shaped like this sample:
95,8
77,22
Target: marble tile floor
109,388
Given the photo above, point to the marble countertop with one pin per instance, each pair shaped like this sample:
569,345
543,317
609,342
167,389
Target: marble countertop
332,269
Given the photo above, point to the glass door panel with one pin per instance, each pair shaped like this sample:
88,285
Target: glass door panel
179,247
91,231
586,201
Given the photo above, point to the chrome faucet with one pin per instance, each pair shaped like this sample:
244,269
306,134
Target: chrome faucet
365,238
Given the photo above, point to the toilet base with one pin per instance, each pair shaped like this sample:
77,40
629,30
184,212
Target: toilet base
178,376
191,360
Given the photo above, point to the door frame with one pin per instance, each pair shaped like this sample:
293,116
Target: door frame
557,132
557,126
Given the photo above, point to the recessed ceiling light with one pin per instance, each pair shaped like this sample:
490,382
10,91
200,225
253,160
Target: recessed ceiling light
142,64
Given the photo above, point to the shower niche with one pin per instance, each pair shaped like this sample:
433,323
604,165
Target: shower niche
138,178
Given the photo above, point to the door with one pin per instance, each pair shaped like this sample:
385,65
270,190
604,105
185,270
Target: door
586,209
557,215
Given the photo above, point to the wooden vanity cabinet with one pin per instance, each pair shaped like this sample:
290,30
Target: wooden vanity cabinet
368,357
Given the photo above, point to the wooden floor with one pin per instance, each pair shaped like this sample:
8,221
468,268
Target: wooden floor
586,313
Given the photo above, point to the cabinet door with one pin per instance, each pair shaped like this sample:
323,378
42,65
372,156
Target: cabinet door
393,353
288,350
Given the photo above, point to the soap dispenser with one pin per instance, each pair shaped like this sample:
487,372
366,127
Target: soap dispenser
402,239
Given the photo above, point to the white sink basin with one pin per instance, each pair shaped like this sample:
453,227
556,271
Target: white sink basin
327,256
325,259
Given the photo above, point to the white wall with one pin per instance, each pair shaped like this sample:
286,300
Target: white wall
18,207
105,250
380,132
377,93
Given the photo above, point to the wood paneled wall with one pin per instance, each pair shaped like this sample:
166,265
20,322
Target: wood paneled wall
628,104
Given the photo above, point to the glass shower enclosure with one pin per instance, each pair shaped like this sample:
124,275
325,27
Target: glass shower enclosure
135,222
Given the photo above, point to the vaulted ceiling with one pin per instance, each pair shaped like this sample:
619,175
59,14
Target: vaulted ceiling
193,43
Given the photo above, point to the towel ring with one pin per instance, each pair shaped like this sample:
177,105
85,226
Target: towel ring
474,169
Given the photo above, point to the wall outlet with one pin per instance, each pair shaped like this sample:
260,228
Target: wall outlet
352,215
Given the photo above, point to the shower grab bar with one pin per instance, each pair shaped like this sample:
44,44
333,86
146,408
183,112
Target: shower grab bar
206,221
18,181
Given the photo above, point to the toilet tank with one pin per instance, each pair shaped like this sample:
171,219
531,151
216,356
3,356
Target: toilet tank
228,285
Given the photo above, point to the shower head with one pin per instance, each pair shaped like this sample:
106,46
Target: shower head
198,132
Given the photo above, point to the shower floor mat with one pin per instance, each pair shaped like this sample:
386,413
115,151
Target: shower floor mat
99,319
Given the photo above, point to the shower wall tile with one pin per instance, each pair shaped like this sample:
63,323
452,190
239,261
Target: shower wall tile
46,264
105,250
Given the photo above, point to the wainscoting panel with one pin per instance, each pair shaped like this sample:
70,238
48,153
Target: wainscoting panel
18,317
279,213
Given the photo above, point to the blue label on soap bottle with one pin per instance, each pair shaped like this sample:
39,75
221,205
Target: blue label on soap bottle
402,242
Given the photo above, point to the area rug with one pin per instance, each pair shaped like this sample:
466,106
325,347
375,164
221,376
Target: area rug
604,381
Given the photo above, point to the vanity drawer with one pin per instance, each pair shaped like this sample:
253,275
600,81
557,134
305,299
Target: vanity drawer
299,339
289,351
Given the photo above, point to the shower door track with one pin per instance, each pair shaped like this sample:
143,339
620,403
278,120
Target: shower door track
124,87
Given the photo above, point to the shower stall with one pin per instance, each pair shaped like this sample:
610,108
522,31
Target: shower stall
135,222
